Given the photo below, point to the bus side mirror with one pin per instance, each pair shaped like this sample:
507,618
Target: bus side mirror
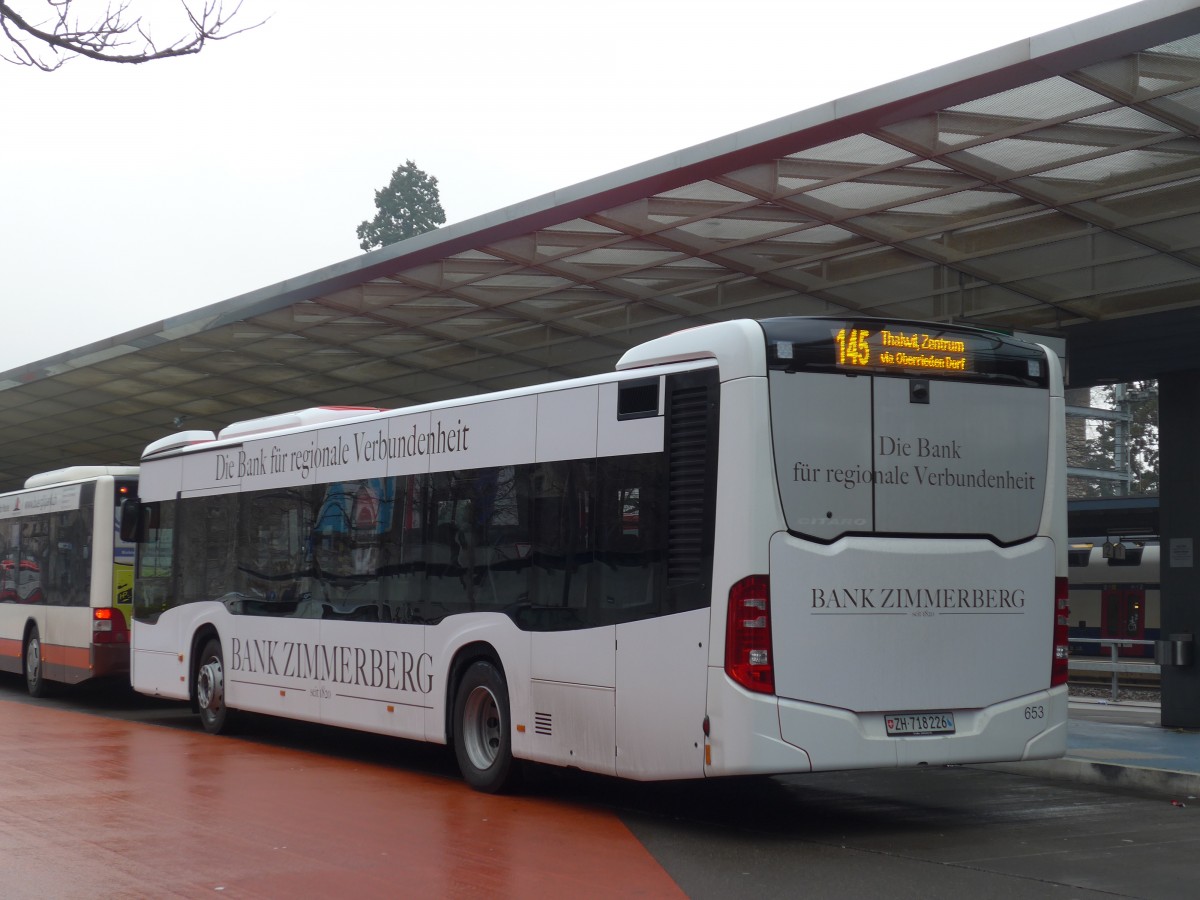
136,520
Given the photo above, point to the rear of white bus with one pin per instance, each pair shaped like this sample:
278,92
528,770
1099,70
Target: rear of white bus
891,536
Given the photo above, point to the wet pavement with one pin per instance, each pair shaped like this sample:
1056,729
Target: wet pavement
105,808
116,796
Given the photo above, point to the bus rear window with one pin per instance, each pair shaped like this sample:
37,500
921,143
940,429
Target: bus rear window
862,453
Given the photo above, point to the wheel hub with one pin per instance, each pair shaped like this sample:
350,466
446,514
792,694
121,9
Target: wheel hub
482,724
33,659
210,685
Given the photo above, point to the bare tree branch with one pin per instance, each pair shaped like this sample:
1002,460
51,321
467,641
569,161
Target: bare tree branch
117,35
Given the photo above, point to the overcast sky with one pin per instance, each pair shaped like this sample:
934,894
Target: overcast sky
135,193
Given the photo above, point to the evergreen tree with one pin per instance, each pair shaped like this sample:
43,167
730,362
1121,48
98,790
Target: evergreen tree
408,206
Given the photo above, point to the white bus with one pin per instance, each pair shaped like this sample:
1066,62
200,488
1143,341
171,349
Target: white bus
66,577
791,545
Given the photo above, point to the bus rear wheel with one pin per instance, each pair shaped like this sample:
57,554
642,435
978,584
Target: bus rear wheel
482,731
35,675
210,689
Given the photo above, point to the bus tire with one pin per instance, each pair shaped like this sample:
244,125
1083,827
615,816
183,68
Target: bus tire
483,731
35,673
210,689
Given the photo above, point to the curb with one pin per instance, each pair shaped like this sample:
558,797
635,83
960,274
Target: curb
1182,786
1102,703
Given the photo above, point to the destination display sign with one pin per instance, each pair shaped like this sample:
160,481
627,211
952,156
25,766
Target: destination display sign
903,348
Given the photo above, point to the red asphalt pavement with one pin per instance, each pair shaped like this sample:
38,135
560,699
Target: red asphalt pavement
93,807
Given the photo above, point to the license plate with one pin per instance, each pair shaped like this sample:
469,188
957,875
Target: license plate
899,724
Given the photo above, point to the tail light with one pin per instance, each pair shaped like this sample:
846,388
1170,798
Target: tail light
108,626
748,659
1059,665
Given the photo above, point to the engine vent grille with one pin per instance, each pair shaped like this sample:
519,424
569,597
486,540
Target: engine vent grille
689,449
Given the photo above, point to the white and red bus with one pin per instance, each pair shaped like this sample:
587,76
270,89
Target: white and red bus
66,577
773,546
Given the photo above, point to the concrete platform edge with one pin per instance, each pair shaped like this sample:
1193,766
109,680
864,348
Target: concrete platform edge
1181,786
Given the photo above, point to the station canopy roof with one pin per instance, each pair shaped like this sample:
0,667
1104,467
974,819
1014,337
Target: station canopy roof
1050,186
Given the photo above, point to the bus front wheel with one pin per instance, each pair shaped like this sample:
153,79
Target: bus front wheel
35,676
482,731
210,688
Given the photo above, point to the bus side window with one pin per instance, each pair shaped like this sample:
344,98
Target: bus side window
34,552
631,539
152,584
559,528
274,529
8,561
205,556
68,578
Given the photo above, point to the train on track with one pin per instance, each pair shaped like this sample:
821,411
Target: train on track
1114,595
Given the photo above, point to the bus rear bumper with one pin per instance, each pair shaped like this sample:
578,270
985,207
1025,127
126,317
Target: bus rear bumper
109,659
760,734
1029,727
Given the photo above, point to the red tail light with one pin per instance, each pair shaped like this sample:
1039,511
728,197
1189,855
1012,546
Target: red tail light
1059,665
748,659
108,626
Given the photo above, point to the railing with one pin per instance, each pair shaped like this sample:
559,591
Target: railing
1114,665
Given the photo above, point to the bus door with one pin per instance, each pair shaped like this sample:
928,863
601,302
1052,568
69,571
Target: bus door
1123,616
